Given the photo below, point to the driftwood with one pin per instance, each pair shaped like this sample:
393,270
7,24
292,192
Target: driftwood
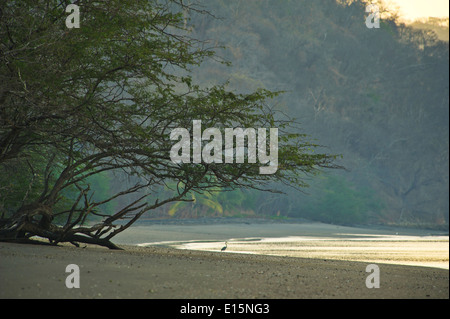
36,220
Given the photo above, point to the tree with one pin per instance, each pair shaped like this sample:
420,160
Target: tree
104,98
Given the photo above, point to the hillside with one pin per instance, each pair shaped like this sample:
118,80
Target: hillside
436,25
379,97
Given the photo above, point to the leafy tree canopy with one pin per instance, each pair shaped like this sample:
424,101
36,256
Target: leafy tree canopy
75,103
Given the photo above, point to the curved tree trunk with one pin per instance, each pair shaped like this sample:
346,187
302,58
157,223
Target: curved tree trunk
36,220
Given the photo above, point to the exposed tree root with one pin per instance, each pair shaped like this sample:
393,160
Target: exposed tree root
21,231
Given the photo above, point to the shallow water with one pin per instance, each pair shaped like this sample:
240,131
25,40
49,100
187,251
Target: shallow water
315,240
406,250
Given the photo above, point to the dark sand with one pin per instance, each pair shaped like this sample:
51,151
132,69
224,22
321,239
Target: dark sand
38,271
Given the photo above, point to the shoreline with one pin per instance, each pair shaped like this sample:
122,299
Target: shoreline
308,240
408,251
218,229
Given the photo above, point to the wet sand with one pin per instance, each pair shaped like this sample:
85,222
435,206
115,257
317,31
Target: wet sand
38,271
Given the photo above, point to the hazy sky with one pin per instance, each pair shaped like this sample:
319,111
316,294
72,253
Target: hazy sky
414,9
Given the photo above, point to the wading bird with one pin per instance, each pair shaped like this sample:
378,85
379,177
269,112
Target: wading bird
224,247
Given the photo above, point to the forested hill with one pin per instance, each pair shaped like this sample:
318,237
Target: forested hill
379,97
437,25
77,122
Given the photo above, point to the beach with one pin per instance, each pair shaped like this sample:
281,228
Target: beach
159,269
